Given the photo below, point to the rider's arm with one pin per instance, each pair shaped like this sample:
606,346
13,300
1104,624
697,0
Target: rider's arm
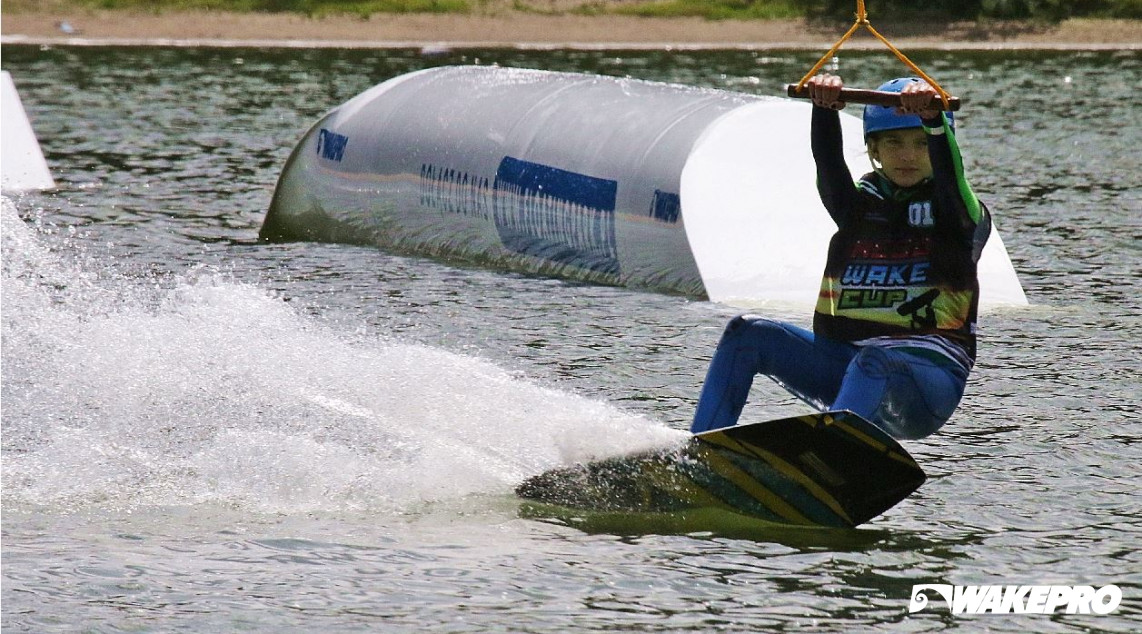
834,180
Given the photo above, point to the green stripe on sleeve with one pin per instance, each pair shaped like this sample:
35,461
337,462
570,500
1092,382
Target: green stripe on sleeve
974,208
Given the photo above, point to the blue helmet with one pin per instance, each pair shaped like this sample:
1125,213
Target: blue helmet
882,118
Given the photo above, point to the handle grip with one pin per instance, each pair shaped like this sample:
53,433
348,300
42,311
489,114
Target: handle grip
875,97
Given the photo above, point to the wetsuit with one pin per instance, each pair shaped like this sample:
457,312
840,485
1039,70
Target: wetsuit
894,330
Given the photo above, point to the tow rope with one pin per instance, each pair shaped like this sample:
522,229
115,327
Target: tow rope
799,90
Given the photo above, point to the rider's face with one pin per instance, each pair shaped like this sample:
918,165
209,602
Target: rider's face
903,155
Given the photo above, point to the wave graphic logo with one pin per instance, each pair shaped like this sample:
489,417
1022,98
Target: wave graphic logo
919,600
1018,599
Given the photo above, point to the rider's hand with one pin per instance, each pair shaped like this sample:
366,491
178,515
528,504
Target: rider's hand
917,98
825,91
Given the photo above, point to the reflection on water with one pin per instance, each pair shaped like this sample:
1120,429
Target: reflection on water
202,433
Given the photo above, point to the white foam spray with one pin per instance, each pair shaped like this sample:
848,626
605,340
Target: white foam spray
122,392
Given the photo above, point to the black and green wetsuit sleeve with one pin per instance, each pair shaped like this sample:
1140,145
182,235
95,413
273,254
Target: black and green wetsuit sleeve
952,189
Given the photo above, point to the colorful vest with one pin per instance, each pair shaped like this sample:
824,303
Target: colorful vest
898,267
901,268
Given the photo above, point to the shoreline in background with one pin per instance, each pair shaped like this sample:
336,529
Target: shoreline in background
528,30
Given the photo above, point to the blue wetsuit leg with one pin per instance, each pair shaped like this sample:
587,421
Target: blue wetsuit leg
810,367
906,395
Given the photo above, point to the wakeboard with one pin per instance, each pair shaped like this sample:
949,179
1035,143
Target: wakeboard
832,469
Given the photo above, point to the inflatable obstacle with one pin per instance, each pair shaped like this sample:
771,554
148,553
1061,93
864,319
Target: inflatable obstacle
706,193
23,167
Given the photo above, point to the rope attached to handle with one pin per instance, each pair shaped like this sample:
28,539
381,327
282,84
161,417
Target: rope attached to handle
862,21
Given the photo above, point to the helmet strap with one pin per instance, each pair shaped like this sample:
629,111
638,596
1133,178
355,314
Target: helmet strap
870,147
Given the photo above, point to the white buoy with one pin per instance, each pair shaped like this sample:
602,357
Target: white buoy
703,192
23,166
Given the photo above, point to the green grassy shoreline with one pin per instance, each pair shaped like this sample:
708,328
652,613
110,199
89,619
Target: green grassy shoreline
1039,10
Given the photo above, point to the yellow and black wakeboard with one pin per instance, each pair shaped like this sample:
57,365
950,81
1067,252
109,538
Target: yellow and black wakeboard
830,469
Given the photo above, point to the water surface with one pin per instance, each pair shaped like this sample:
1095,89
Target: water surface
202,433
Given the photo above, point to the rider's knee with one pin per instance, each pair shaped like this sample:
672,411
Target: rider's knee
741,323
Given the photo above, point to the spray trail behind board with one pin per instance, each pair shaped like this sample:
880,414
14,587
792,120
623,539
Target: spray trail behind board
123,391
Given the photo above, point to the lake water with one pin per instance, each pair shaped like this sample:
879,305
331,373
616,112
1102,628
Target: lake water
206,434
